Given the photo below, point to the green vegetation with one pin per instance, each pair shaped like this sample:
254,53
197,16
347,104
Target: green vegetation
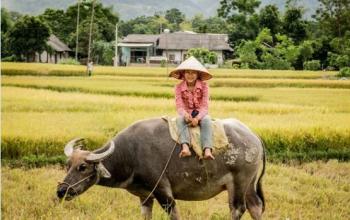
26,37
69,61
267,37
203,55
344,72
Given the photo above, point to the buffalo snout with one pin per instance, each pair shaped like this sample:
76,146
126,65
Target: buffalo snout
61,192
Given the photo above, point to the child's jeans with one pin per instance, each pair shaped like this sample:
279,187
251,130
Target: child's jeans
205,129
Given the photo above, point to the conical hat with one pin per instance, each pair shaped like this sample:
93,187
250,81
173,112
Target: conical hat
191,64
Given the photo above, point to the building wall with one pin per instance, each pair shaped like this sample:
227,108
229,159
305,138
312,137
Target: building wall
219,53
175,56
179,55
125,55
56,57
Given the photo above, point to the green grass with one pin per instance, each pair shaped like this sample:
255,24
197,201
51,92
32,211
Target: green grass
314,190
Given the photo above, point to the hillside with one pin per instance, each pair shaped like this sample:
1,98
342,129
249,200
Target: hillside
132,8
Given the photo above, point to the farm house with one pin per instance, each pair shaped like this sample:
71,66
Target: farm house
148,49
58,51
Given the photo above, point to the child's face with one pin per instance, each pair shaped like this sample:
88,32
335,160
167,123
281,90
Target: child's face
191,76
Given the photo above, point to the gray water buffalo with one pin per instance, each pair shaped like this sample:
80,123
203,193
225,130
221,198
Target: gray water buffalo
136,159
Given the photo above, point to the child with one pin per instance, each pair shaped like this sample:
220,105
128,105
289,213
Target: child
192,99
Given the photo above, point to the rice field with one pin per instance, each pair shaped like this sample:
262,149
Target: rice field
302,116
40,69
314,190
297,122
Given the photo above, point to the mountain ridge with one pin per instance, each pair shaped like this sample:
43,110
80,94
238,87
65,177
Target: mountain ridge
128,9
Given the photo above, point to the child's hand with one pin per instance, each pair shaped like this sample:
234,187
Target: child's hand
194,122
188,118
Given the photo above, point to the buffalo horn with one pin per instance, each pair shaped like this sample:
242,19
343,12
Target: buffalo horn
69,148
93,157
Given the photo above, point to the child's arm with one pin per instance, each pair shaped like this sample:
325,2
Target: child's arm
203,110
180,106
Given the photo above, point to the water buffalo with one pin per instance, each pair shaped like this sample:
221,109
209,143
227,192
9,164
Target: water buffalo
135,160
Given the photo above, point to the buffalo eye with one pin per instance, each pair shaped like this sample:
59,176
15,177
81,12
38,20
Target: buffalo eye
82,168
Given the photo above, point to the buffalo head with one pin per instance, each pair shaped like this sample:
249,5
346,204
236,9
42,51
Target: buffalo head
84,169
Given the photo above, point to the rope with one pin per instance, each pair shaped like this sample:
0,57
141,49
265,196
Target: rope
165,167
82,180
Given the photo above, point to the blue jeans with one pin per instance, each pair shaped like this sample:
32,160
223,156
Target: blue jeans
205,129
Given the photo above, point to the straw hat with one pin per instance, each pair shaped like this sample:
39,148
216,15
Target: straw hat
191,64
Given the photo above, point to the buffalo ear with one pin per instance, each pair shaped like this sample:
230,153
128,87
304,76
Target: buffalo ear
103,172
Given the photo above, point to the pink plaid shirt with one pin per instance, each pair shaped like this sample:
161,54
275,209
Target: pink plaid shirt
187,101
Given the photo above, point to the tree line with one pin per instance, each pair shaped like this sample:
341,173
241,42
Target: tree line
262,38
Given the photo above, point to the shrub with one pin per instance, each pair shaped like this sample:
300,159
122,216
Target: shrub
312,65
162,63
9,59
344,72
203,55
338,61
275,63
69,61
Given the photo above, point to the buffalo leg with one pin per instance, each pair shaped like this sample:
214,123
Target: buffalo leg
254,203
167,202
146,208
237,196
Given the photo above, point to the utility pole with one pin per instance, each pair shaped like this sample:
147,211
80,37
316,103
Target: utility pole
91,22
77,33
166,31
116,46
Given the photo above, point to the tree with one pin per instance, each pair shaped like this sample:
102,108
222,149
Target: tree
198,22
103,52
269,17
306,50
142,29
186,26
209,25
6,24
241,17
144,25
175,16
322,49
287,49
340,55
6,21
28,35
334,17
15,16
265,52
103,25
58,22
247,54
293,26
84,36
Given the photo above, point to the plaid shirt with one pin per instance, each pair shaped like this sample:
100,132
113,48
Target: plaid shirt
187,101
